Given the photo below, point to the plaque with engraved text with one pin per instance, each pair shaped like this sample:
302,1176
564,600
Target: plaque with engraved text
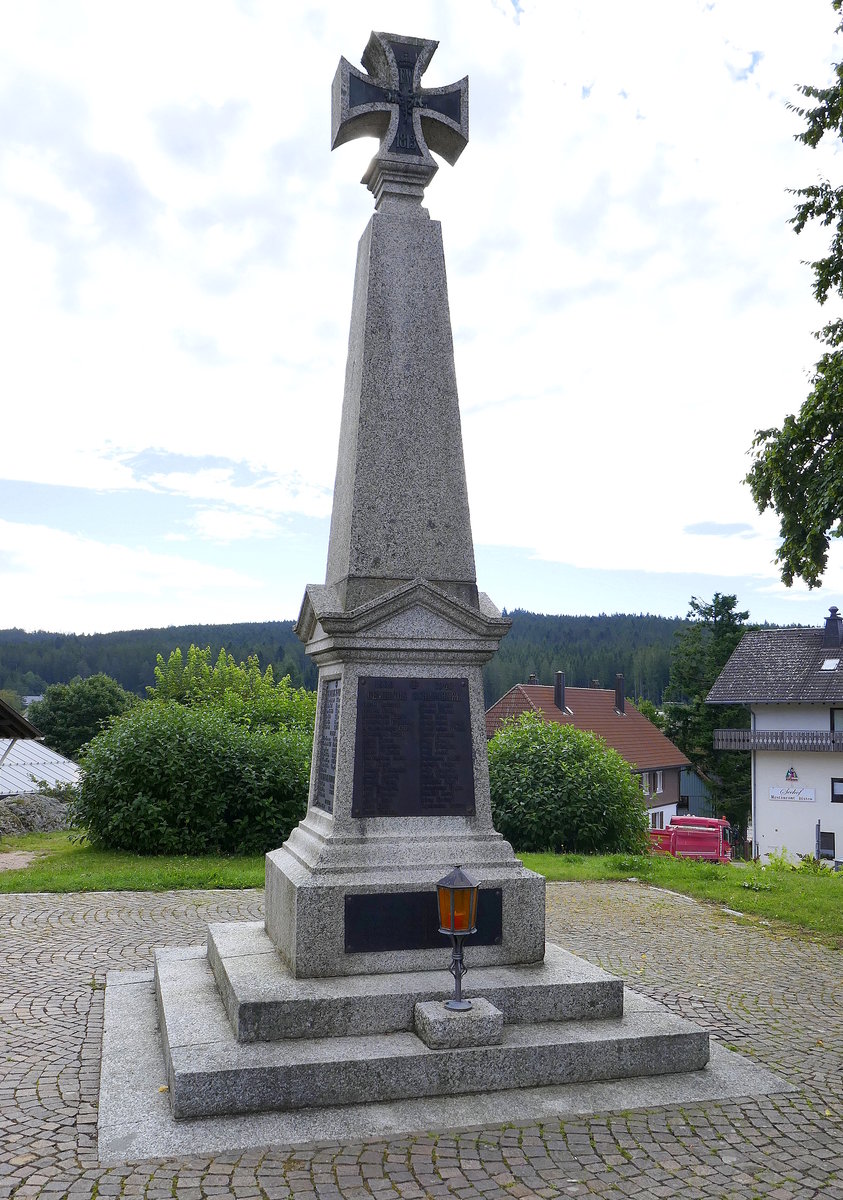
413,751
326,761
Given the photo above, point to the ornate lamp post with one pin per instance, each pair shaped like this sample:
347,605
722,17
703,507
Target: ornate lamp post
457,894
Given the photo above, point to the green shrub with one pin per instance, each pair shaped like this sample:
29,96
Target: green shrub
778,860
240,690
70,714
168,779
558,788
815,866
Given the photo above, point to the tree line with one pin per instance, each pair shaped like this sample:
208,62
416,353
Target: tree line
267,727
585,648
29,662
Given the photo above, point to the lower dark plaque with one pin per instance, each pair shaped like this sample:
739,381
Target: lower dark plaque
326,758
413,753
376,922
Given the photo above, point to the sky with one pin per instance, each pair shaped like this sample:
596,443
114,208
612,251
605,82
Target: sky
629,303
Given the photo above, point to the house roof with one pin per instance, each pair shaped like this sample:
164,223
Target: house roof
12,724
593,709
23,760
781,666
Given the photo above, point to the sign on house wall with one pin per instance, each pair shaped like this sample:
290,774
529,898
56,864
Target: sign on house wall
803,794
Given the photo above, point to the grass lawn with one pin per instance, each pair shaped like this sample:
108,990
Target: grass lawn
66,866
811,902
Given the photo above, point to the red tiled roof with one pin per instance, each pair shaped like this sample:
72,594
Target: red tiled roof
634,737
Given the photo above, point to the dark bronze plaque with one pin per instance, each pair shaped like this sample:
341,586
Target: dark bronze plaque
379,921
326,759
413,752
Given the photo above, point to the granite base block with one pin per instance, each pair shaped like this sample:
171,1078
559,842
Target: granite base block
305,912
210,1073
135,1120
265,1002
441,1028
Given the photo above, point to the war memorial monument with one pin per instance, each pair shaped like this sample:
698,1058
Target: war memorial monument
335,1002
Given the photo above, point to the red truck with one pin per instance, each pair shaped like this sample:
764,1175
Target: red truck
709,838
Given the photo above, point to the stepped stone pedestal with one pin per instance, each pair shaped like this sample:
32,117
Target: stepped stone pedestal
242,1034
337,997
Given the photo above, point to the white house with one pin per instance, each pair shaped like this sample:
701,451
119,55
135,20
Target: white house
792,682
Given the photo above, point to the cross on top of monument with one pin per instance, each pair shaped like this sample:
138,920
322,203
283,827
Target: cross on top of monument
410,120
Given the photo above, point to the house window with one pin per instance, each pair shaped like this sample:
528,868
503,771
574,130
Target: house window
826,846
657,819
659,782
837,720
645,782
837,791
830,664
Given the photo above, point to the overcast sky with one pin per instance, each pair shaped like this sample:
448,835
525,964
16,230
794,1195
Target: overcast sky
177,242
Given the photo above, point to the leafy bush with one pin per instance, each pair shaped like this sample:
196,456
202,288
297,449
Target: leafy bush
559,788
169,779
778,860
241,691
70,714
814,866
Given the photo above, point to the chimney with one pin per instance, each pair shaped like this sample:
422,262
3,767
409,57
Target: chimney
619,701
833,635
533,677
559,691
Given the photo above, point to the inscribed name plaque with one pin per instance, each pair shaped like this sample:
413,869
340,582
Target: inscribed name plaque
326,759
376,923
413,752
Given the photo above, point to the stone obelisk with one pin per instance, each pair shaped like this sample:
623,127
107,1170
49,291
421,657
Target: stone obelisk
399,790
337,998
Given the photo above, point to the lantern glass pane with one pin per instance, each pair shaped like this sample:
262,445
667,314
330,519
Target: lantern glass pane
444,908
462,909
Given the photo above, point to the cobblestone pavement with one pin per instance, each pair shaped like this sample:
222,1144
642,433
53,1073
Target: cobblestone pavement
776,997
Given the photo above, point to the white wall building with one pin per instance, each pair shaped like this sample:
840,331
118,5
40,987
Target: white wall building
792,682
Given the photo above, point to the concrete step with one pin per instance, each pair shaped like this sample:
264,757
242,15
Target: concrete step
266,1003
210,1073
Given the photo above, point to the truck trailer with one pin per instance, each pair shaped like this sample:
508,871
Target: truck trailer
707,838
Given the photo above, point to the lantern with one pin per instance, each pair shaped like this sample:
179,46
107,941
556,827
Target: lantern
457,894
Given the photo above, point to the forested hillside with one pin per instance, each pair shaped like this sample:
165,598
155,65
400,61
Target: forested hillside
30,661
585,648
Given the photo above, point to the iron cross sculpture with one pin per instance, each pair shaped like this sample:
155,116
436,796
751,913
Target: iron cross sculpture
410,120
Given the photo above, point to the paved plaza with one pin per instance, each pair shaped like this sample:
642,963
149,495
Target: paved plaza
763,993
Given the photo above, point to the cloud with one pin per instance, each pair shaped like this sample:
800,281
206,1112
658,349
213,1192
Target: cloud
101,581
264,494
739,68
557,299
74,197
204,349
44,127
720,528
219,525
196,135
243,231
178,248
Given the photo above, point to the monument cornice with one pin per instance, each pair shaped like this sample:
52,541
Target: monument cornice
446,628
